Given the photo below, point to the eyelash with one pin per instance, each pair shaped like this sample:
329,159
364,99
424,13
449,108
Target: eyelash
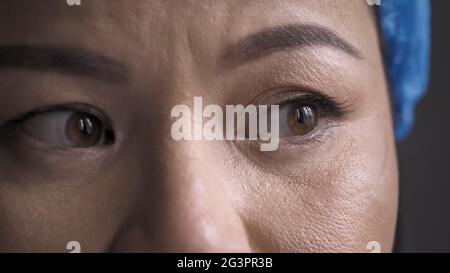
331,106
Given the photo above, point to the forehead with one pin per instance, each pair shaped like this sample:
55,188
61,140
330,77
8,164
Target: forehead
127,30
232,16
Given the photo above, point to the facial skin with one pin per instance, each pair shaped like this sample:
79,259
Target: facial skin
333,190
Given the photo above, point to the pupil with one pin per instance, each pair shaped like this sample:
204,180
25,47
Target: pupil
85,130
85,126
305,115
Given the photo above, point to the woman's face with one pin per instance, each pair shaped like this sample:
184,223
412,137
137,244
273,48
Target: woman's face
87,154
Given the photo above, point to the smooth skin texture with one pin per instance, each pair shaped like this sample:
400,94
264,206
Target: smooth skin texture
333,192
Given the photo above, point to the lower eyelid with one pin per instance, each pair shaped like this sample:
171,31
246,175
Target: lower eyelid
33,147
317,136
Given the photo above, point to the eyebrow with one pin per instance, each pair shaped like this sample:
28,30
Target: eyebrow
283,38
64,60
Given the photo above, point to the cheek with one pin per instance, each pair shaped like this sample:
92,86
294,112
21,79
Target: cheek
337,205
44,210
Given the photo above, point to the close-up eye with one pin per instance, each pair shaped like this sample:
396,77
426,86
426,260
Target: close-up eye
297,119
67,128
302,115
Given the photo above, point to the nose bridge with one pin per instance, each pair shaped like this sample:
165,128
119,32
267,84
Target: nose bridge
188,209
183,205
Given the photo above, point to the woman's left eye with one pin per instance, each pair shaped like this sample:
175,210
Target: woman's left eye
298,119
67,128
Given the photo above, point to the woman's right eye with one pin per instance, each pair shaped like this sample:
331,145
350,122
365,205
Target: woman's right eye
67,128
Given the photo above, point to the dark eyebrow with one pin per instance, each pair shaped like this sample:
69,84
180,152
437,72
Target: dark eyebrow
286,37
64,60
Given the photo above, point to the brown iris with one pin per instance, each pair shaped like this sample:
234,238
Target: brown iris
84,130
302,119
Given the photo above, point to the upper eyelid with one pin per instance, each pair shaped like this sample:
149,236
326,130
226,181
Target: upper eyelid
306,98
331,105
89,109
292,91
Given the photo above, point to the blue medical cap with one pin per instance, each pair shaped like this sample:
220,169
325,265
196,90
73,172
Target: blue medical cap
405,26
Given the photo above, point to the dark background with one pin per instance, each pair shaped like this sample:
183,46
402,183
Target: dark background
424,218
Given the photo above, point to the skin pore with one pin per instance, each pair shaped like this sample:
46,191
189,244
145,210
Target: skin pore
123,65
